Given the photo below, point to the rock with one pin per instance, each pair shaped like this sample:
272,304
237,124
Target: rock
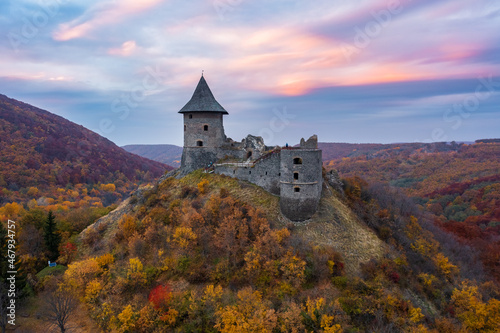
311,143
333,179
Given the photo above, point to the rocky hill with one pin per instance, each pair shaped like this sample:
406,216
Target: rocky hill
212,253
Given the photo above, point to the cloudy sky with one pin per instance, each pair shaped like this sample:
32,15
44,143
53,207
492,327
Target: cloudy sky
349,71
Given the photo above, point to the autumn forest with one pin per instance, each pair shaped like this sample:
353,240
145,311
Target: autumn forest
409,240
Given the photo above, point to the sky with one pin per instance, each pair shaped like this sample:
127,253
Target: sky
360,71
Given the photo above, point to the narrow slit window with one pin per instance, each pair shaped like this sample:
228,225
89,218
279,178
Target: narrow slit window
185,127
205,127
190,116
296,175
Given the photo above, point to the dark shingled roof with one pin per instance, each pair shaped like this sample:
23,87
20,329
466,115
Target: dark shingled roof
203,100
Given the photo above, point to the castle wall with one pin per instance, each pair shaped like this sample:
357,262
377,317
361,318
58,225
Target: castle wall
300,183
265,173
194,129
197,157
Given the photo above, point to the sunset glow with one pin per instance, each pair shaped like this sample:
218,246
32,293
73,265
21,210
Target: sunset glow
328,62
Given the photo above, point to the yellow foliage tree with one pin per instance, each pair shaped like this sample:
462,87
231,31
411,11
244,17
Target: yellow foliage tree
32,191
92,291
203,186
250,314
475,314
135,271
293,269
108,187
427,279
127,319
315,311
445,266
416,315
105,260
184,236
12,210
80,273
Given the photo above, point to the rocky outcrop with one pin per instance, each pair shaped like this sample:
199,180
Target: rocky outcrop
333,179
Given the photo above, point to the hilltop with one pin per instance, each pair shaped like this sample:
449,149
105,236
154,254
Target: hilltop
42,152
212,253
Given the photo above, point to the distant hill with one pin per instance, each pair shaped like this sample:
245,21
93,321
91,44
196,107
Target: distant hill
43,151
333,151
168,154
171,154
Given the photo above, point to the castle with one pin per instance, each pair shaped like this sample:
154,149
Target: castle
292,173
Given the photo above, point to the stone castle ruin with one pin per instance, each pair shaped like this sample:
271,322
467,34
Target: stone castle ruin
292,173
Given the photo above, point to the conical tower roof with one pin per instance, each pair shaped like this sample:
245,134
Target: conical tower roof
203,100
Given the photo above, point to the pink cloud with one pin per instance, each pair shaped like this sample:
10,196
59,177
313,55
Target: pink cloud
102,15
126,49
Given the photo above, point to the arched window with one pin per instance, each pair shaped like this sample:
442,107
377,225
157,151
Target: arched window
297,160
190,116
199,143
205,127
296,175
249,154
296,189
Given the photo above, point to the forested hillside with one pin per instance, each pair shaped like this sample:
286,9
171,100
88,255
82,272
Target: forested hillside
460,187
49,159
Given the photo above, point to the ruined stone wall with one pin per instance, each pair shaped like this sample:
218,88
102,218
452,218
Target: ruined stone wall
197,157
265,173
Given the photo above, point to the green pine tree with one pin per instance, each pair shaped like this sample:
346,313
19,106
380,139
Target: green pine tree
51,237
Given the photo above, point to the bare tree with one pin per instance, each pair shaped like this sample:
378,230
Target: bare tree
60,306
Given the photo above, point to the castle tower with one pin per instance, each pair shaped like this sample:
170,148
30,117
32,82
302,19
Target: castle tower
203,128
301,180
